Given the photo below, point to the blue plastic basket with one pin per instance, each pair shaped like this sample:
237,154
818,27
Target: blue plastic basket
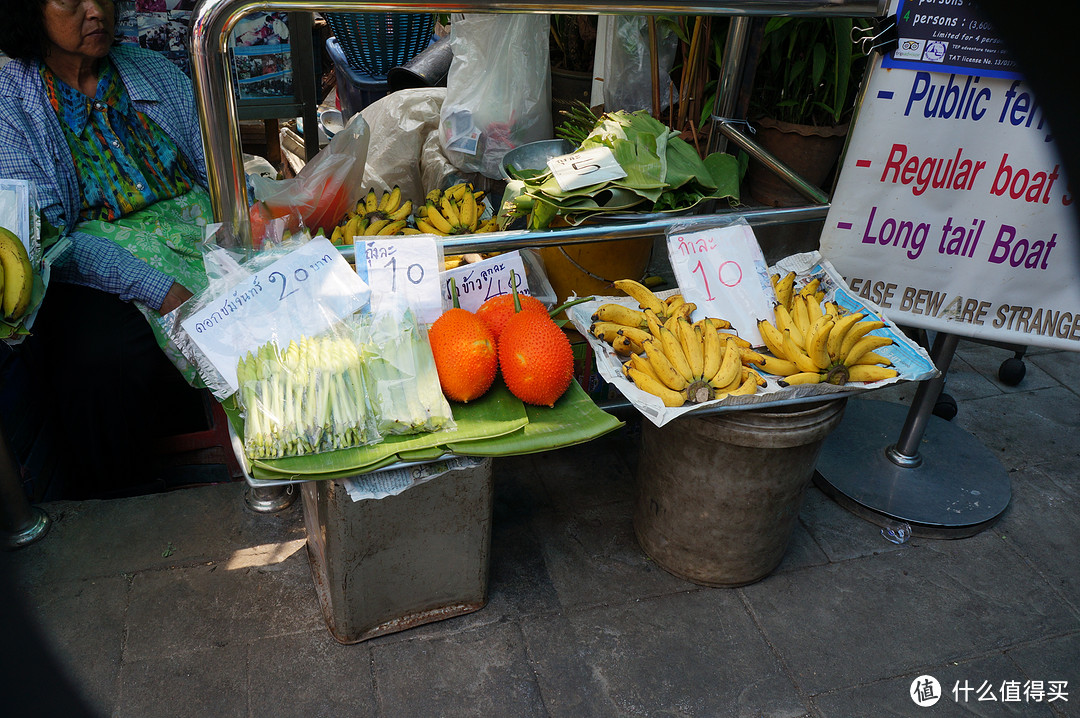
375,42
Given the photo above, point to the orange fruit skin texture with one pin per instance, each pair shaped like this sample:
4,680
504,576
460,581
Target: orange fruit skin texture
535,357
496,311
465,354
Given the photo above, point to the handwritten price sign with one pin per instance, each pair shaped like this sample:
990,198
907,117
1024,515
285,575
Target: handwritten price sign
402,269
723,271
302,294
479,282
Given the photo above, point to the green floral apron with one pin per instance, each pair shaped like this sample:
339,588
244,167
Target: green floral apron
166,235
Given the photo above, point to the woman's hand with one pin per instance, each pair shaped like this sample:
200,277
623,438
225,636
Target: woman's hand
178,294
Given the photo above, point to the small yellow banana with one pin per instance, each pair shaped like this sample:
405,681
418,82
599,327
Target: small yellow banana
806,377
784,287
795,353
373,227
393,202
810,288
657,388
427,228
641,363
620,314
800,315
778,367
438,221
402,211
871,373
872,357
813,309
636,335
653,322
450,210
729,366
371,201
691,342
674,352
392,227
774,340
605,331
645,297
748,385
712,350
467,211
816,341
786,323
839,330
855,334
662,367
868,343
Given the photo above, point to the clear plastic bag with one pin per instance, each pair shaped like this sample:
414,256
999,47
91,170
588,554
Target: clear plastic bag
402,379
626,68
498,89
307,397
321,193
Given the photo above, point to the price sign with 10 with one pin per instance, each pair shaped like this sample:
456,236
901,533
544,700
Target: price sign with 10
723,271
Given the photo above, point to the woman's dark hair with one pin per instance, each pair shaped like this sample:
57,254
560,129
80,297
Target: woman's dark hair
22,33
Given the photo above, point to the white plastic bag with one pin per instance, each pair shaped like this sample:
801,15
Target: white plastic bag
498,89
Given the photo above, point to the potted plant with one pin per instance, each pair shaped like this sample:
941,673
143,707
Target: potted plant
572,44
805,84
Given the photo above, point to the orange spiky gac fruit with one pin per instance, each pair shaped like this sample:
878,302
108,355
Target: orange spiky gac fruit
496,311
535,357
465,354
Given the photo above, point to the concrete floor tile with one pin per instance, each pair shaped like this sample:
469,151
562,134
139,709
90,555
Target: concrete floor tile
195,608
1062,366
81,622
692,654
116,536
482,672
867,619
309,675
1026,428
839,533
1055,659
208,682
1040,524
994,676
594,558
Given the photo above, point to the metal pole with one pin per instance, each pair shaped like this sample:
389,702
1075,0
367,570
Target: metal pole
22,523
906,450
731,68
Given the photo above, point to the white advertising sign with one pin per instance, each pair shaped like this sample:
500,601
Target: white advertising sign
952,211
302,294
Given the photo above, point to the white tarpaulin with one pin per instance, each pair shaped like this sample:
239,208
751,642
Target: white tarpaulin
952,211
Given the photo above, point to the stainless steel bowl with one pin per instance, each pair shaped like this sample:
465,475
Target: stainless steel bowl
534,155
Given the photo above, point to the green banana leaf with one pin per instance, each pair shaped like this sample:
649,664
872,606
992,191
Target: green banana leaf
496,413
574,419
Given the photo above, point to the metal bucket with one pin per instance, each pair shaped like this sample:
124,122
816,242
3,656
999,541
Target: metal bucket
718,495
386,565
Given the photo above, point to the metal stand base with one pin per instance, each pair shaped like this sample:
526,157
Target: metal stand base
936,478
38,526
270,499
959,489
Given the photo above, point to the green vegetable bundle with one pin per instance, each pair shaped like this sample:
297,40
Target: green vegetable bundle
403,382
663,173
309,398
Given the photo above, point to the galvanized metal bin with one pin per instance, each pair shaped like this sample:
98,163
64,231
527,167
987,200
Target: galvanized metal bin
386,565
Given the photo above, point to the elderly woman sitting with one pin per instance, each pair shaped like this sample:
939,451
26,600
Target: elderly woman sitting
109,136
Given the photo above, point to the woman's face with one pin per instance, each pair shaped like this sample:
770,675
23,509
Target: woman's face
80,27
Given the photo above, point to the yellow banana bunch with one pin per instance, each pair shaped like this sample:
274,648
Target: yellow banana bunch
455,210
671,357
376,214
786,293
814,342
